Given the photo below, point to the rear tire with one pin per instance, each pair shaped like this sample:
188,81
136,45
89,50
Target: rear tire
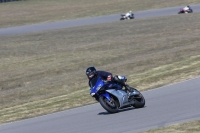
110,106
180,12
139,101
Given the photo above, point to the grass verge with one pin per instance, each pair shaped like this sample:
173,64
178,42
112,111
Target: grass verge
188,127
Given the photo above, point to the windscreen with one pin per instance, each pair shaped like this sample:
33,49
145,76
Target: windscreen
93,81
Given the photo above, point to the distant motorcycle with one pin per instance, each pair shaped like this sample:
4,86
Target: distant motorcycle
183,11
112,97
123,17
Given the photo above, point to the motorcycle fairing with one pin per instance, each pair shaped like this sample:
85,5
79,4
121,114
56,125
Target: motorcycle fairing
106,95
98,84
120,95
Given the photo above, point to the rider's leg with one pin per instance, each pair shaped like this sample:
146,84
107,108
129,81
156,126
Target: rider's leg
121,82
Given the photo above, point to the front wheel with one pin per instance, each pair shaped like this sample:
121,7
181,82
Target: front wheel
109,106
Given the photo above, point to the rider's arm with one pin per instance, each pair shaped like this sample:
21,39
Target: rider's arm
105,75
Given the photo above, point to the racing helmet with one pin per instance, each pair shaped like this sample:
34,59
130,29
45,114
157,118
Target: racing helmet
90,72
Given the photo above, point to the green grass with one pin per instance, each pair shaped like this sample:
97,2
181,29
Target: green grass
36,11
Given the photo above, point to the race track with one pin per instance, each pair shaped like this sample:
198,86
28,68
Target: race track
165,105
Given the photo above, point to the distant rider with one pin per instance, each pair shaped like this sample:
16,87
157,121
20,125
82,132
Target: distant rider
129,15
187,9
91,72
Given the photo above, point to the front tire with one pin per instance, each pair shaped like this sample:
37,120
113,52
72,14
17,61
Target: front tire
110,106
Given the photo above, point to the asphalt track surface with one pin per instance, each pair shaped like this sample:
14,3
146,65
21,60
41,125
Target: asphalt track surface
166,105
88,21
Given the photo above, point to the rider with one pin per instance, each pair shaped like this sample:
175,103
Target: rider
187,9
129,15
91,72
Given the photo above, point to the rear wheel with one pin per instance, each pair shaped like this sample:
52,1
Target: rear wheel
181,12
139,101
110,106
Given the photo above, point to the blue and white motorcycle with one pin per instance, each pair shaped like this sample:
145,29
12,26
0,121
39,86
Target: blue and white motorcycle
112,97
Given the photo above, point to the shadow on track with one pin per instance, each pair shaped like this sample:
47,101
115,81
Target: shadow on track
121,110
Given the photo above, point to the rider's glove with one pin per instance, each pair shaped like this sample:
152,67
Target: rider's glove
109,77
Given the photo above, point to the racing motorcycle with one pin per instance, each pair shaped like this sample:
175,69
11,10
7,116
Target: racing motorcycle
182,11
123,17
112,97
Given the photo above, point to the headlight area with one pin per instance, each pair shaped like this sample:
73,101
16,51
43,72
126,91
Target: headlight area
92,94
